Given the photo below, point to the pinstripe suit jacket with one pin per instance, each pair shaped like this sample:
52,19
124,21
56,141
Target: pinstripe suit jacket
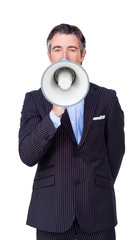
73,180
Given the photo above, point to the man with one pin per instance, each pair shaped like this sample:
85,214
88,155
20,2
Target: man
78,151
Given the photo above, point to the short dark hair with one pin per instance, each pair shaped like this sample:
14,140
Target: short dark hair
67,29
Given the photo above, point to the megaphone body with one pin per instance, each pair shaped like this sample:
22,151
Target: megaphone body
65,83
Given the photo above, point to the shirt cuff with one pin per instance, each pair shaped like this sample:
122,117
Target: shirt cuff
55,119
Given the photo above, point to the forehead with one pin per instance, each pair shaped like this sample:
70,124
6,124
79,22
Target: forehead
64,40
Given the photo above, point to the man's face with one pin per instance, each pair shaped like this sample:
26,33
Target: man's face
65,46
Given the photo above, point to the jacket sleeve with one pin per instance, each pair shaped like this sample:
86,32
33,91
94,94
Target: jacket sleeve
115,136
35,134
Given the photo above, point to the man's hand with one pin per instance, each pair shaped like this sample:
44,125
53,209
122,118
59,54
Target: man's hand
58,110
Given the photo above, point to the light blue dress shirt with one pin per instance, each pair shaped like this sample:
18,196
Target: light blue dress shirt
76,113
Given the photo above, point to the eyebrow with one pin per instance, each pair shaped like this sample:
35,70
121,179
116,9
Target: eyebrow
61,47
56,47
73,47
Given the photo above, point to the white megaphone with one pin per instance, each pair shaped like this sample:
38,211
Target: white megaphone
65,83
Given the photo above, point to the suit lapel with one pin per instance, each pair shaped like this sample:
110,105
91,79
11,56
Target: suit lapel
89,110
65,120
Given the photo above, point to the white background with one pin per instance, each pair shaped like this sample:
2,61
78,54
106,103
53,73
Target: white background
110,28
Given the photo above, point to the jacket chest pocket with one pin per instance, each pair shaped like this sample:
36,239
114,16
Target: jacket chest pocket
98,129
99,124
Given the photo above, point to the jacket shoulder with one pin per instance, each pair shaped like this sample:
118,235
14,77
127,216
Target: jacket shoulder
35,93
36,102
37,97
102,89
106,96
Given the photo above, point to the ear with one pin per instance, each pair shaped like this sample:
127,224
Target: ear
83,55
49,56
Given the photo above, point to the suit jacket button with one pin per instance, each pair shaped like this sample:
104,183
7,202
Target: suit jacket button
76,182
76,155
47,135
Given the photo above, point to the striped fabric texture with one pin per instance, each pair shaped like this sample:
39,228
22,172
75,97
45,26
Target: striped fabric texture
75,233
73,180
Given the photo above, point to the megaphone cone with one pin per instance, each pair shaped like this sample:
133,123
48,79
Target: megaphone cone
65,83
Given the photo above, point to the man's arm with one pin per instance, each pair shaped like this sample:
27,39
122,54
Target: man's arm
115,137
35,134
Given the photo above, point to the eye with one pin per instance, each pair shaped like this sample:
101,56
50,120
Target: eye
72,50
57,50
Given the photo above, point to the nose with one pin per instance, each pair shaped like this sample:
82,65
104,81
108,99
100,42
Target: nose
65,54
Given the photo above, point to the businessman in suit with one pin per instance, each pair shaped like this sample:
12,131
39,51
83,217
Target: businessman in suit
78,152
